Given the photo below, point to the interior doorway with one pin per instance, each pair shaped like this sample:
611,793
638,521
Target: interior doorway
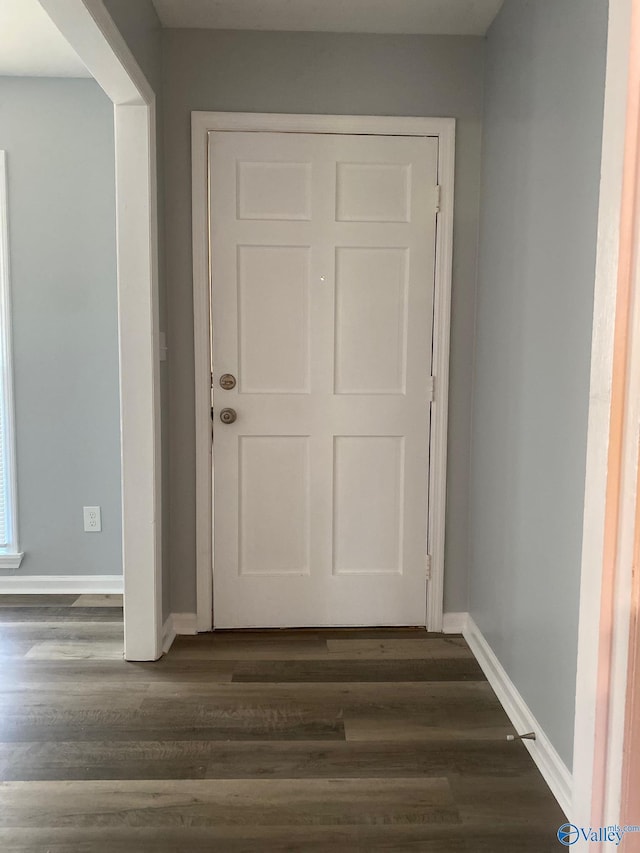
90,31
326,331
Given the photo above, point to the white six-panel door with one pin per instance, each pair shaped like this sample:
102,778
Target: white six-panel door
322,277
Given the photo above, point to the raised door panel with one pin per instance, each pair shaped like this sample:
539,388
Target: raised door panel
368,504
273,319
273,505
373,192
273,190
371,320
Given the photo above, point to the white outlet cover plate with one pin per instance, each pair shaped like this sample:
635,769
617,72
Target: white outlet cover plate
92,519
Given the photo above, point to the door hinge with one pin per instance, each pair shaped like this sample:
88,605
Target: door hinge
438,197
431,393
428,566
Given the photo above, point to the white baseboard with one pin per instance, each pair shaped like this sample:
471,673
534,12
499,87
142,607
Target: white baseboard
168,634
185,623
175,624
61,584
454,623
549,763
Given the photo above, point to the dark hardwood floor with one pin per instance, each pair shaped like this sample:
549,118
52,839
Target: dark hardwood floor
342,741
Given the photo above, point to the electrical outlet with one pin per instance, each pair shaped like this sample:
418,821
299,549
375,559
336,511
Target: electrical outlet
92,519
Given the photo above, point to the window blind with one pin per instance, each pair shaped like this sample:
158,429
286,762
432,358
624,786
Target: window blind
8,534
4,498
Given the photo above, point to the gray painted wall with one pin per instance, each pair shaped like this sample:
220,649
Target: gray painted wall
541,162
140,27
60,143
317,73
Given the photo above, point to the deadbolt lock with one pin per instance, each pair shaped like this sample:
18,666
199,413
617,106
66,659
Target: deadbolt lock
227,381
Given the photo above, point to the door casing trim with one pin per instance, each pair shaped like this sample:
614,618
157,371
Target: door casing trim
92,33
204,123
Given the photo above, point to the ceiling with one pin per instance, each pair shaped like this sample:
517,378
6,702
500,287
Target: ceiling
434,17
32,46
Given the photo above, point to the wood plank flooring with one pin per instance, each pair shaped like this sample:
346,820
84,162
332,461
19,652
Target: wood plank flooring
254,742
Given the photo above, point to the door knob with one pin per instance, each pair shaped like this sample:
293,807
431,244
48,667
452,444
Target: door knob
228,416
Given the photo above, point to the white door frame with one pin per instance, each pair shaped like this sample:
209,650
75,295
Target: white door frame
202,124
612,453
91,32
